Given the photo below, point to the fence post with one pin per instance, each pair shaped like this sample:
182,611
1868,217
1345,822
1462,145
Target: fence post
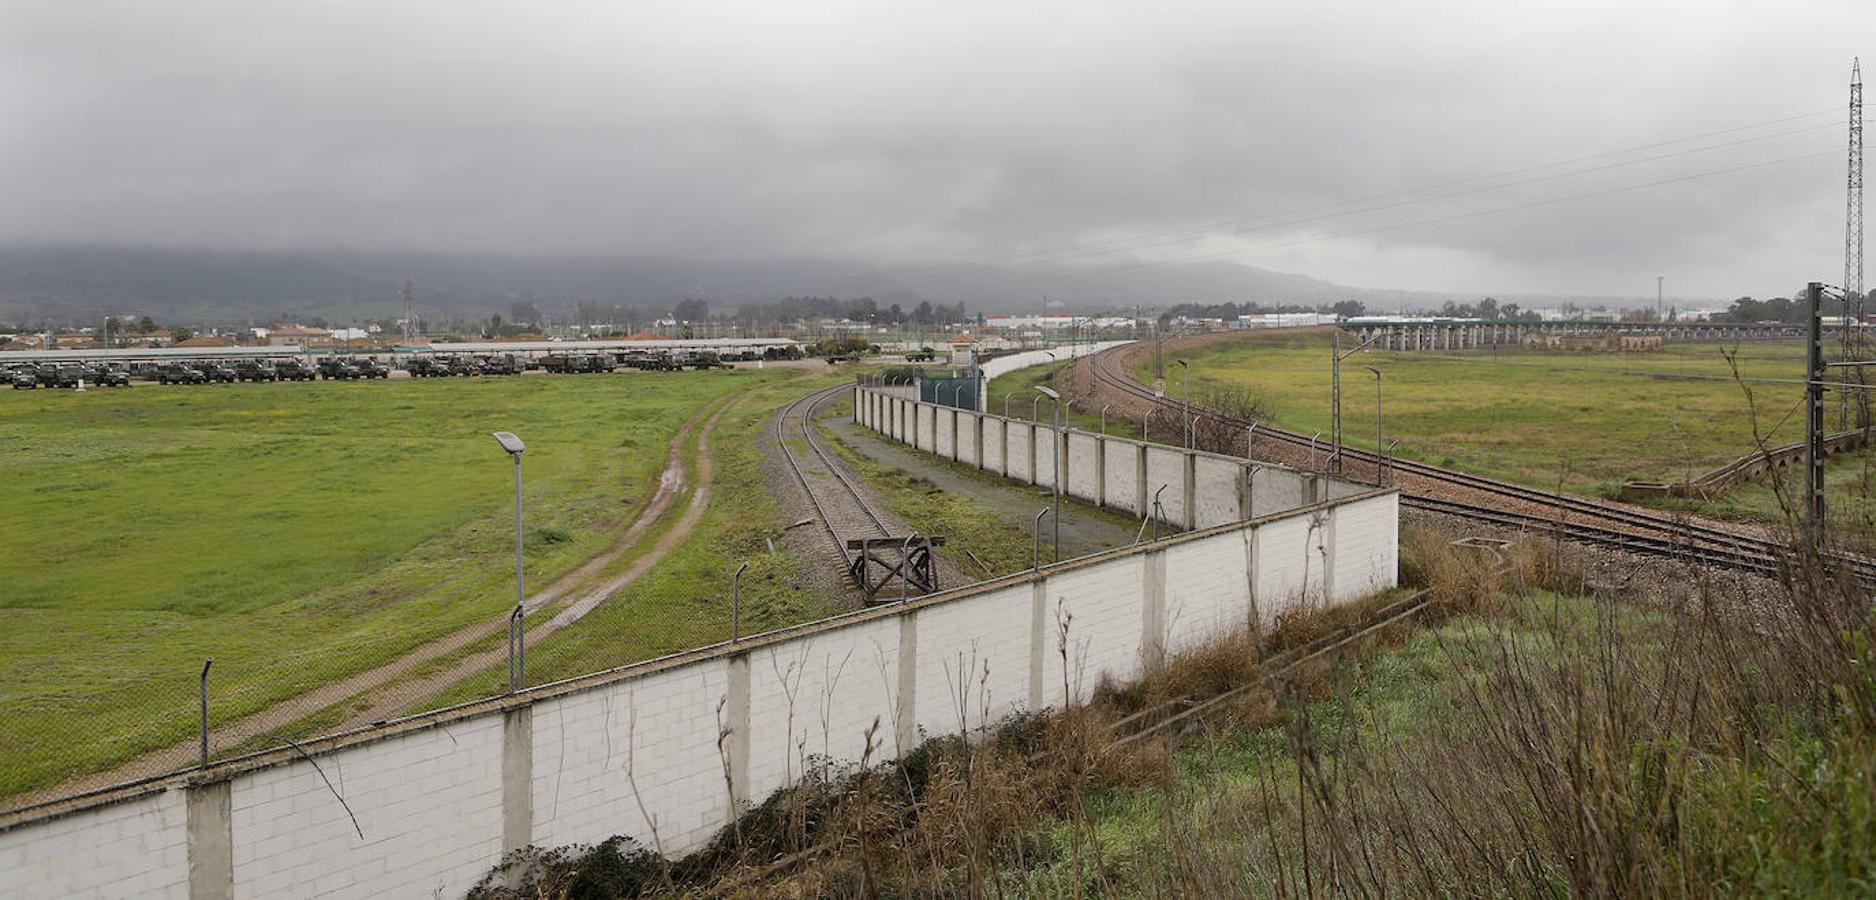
736,602
1035,549
202,706
517,651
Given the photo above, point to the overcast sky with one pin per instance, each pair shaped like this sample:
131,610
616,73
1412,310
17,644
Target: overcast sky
947,131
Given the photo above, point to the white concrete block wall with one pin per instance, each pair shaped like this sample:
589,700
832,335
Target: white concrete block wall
993,445
1004,365
651,742
1336,489
1215,492
1205,598
1218,490
1123,476
1366,535
967,438
429,803
1104,627
927,419
1084,474
944,432
1020,443
973,660
815,697
1167,467
1289,564
1274,490
136,848
1044,437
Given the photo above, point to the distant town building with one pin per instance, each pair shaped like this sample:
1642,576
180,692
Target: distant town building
296,336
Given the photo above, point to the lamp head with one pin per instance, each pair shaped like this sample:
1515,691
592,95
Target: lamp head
1049,393
509,442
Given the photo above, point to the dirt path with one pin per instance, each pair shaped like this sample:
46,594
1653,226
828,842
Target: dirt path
387,690
395,697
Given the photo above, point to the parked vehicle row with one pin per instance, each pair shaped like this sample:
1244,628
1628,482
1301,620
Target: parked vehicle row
27,376
69,375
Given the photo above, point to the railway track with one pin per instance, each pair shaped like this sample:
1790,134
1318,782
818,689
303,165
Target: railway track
1505,504
838,506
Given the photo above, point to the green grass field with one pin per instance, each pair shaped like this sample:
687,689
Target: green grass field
294,532
1586,420
684,601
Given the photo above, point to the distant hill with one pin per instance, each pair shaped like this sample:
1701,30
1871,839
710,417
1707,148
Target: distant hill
83,284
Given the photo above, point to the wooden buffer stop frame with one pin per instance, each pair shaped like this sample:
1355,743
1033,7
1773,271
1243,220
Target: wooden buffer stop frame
909,560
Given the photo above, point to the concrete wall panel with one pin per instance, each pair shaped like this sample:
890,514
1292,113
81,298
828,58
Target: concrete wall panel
967,438
813,699
1204,599
1218,490
973,661
1084,475
993,444
429,804
651,743
1167,467
1274,490
1123,476
138,848
1100,608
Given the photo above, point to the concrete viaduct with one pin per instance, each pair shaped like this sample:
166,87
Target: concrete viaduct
1467,334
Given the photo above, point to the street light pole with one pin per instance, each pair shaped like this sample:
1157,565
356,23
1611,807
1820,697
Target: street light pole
1055,462
1185,379
515,447
1378,446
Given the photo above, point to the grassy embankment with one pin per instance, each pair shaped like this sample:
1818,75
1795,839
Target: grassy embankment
1534,744
294,532
1587,421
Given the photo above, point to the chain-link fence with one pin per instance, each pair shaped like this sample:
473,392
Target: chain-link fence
108,713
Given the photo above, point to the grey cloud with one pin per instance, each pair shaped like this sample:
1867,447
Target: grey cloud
915,132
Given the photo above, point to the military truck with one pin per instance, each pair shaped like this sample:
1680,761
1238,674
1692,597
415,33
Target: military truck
106,376
371,368
333,368
704,359
502,364
215,371
293,370
560,363
254,370
461,364
179,373
923,354
24,378
426,367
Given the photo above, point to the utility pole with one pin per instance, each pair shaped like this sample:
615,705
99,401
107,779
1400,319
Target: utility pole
1852,327
410,322
1335,394
1814,412
1658,280
1336,356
